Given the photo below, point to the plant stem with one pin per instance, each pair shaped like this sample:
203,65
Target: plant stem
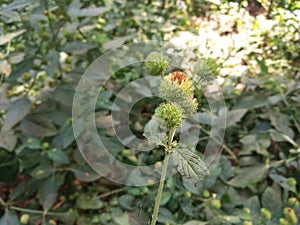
163,176
160,188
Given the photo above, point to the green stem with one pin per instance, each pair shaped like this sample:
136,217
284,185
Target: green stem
33,211
163,176
160,188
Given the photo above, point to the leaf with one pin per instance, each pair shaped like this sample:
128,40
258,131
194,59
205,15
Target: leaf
58,156
249,175
9,218
195,222
85,174
47,191
18,4
165,216
16,112
127,202
38,127
122,220
8,37
115,42
271,200
190,165
21,68
154,134
8,140
65,136
283,182
87,202
75,10
254,206
77,47
281,122
235,116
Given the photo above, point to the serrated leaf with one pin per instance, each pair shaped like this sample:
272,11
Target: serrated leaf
9,218
8,140
190,165
153,133
16,112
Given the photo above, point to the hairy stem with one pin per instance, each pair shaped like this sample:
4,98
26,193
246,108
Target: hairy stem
163,176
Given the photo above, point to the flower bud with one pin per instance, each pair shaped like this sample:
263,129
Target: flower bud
24,219
156,63
205,70
266,213
177,88
290,215
215,203
293,202
169,115
247,223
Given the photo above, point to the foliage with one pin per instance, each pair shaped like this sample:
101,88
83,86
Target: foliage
47,45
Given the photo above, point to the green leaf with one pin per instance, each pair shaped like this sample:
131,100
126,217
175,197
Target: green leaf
249,175
165,216
77,47
8,140
195,222
283,182
86,174
122,220
47,191
87,202
65,136
8,37
38,127
9,218
254,205
271,200
190,165
16,112
281,122
75,10
153,133
18,4
127,202
234,116
58,156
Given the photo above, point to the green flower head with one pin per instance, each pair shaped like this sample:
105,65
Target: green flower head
205,70
170,115
156,63
178,88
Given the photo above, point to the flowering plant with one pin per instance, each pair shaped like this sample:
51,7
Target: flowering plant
177,89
